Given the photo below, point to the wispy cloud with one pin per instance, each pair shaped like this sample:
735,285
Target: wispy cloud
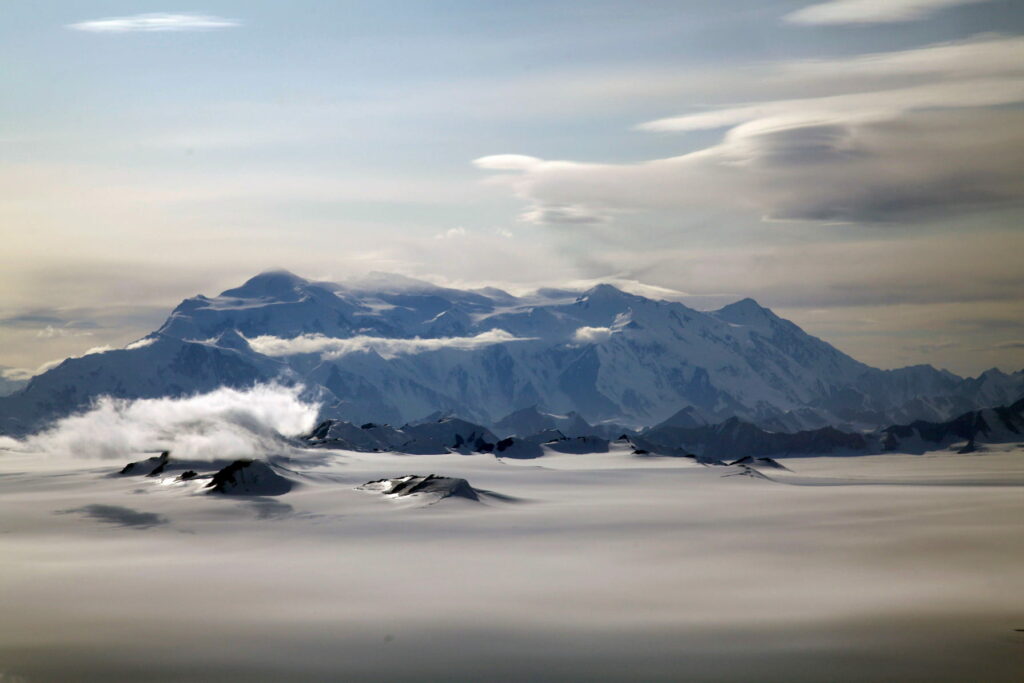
50,331
838,12
45,321
331,347
19,374
15,374
451,234
877,151
153,22
929,349
884,104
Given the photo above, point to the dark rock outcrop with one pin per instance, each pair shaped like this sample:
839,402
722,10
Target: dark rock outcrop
431,486
249,478
440,436
150,467
735,438
750,461
1004,424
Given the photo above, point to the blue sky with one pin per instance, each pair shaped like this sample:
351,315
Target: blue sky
855,164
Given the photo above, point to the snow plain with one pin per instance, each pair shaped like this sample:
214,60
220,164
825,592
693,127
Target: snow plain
587,567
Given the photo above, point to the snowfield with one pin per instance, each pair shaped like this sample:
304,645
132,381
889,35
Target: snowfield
608,566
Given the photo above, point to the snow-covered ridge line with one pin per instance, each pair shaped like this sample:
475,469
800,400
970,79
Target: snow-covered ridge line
603,354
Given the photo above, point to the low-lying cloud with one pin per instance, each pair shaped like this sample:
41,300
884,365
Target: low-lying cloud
223,424
332,347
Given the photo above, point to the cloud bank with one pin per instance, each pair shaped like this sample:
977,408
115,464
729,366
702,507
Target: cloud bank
155,22
223,424
841,12
330,347
881,151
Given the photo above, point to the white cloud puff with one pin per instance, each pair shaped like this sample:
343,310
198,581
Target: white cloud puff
331,347
141,343
592,335
223,424
155,22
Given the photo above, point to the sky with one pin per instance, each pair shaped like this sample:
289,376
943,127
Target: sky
856,165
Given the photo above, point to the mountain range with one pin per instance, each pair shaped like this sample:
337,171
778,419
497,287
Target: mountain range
390,349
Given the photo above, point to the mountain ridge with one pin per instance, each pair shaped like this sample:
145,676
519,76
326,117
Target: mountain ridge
394,349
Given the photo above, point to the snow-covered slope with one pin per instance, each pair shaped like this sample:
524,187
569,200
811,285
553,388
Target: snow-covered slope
389,349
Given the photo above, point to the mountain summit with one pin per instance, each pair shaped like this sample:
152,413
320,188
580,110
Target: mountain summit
390,349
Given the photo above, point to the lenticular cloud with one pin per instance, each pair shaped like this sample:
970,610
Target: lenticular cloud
331,348
226,423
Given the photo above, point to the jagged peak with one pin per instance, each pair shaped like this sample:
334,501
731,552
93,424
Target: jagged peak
745,306
745,312
687,417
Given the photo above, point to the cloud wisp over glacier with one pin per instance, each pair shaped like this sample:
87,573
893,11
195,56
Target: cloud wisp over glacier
331,347
223,424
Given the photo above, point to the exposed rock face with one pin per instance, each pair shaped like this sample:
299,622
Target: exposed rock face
731,440
969,431
150,467
441,436
529,421
249,478
737,439
527,447
430,486
768,463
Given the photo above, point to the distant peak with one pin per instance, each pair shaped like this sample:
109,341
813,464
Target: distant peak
278,272
744,312
277,284
746,304
605,291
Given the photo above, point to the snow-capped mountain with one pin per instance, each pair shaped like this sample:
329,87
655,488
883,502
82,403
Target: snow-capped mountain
391,349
